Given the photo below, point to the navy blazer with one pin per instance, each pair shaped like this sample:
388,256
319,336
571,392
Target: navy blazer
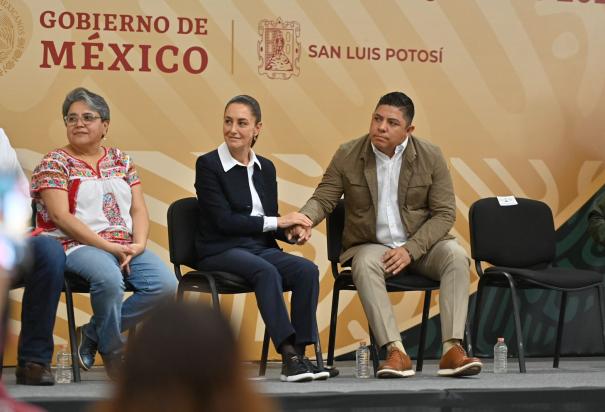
226,202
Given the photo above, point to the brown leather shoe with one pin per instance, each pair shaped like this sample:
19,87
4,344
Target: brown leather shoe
397,365
34,374
456,363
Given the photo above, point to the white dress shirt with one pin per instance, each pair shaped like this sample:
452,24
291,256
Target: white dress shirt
228,162
15,203
389,228
9,162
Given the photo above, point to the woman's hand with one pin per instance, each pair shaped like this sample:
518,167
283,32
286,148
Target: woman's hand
293,218
137,248
124,253
299,234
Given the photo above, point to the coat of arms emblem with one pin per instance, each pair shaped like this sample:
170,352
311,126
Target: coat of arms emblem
279,48
12,37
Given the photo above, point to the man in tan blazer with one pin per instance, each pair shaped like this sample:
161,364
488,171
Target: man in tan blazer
399,208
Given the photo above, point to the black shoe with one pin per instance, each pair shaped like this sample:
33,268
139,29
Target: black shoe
332,371
32,373
87,348
318,374
114,362
295,370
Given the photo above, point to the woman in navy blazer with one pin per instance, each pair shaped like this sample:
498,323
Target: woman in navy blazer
239,222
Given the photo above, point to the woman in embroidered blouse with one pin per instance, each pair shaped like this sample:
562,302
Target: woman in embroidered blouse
89,197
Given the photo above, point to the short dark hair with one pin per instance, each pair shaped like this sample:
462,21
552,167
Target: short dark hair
93,100
401,101
249,101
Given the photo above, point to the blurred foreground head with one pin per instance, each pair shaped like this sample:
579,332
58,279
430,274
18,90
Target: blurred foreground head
185,358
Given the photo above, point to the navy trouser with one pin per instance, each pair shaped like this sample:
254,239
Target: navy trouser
43,286
270,271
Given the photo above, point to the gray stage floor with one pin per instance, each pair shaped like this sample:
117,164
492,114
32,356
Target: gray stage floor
572,373
578,372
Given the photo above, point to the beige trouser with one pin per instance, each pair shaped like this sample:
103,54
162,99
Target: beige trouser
446,262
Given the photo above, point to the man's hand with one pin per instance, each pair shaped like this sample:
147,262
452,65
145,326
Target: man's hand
293,218
395,260
300,234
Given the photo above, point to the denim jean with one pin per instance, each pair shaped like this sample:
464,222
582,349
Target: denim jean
43,285
151,280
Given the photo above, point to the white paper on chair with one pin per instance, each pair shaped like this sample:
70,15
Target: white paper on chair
507,200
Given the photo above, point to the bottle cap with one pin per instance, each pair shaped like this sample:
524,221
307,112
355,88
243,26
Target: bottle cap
500,339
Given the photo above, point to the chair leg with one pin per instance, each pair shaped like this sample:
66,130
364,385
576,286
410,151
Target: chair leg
333,320
561,323
215,300
264,354
466,341
373,351
601,296
71,326
476,317
317,346
425,317
180,292
518,329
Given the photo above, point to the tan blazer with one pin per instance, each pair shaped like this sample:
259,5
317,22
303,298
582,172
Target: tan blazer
425,195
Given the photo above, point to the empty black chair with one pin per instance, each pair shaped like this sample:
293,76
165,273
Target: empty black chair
183,218
519,242
343,280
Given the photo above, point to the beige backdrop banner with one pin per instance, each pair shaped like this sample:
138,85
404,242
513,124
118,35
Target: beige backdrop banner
513,92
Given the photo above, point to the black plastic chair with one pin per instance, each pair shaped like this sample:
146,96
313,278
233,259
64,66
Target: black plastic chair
76,284
519,242
183,218
343,280
72,284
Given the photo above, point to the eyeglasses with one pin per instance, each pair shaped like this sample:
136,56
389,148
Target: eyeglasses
87,118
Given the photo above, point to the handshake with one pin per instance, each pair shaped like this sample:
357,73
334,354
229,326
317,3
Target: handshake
297,227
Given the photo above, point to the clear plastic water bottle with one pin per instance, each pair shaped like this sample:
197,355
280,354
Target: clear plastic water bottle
500,355
63,367
362,361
